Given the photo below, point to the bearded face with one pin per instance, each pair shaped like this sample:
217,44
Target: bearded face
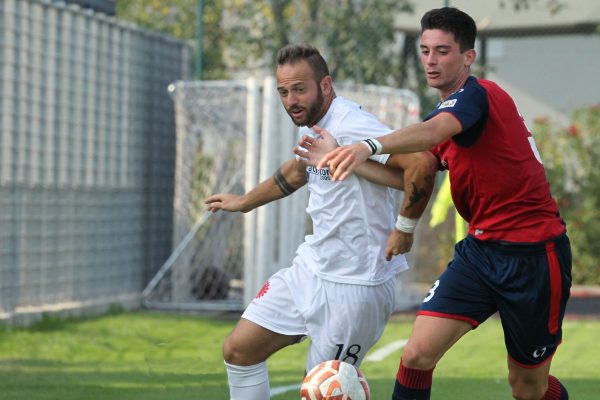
309,114
300,94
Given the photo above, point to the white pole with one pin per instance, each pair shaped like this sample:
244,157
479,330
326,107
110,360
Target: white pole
288,213
266,215
253,110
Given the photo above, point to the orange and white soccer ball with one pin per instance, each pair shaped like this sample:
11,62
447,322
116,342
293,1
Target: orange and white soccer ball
335,380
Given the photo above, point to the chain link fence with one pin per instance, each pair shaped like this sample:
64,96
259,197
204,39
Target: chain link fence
87,150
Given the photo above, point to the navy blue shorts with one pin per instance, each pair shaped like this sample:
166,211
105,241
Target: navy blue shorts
527,284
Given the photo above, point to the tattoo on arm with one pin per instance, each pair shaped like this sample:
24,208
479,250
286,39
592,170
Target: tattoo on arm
418,194
282,183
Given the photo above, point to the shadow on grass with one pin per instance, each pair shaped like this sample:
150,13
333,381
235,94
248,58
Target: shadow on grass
41,380
49,322
35,379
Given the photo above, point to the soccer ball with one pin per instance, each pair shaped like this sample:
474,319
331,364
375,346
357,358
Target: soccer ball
335,380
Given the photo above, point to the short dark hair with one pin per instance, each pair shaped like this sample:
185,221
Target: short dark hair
292,53
450,19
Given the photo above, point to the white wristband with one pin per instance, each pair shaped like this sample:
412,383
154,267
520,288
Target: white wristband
406,225
374,145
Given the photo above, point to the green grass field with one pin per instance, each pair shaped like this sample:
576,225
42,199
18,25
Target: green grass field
147,356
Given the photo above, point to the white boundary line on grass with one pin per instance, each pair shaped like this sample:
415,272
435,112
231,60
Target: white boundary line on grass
284,389
386,350
376,356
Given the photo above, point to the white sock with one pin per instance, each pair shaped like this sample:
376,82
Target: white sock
248,382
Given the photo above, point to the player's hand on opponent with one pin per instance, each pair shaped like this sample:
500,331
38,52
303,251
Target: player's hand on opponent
398,243
225,202
342,161
313,149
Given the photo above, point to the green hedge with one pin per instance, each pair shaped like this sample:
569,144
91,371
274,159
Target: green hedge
572,159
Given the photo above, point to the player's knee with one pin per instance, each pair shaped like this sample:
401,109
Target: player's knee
527,390
416,357
233,353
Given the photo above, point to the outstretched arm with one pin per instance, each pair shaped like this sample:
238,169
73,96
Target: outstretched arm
290,176
422,136
313,149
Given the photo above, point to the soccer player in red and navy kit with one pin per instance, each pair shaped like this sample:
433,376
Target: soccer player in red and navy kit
516,259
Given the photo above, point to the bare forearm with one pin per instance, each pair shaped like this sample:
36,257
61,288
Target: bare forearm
266,192
422,136
419,176
287,179
417,192
409,139
381,174
419,179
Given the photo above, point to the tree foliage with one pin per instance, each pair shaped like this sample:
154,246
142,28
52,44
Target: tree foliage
178,18
356,36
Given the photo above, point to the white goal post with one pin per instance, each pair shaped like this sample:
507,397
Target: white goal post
231,135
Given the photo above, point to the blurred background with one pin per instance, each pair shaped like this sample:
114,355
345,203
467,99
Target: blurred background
119,117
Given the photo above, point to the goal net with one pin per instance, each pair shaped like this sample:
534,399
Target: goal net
231,135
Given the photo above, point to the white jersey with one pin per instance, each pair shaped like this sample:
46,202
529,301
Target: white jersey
352,219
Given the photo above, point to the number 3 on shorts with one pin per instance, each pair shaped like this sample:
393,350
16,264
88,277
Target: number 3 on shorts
431,291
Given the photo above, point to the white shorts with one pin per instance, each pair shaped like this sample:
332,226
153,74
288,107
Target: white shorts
343,320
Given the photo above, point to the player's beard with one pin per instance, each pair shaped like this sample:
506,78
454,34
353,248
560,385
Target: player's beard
313,112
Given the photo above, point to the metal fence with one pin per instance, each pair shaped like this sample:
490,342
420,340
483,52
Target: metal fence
87,149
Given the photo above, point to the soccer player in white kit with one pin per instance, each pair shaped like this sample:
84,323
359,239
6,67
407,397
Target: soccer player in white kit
340,288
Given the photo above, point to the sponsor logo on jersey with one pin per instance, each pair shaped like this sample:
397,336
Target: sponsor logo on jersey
263,290
537,353
322,173
447,104
478,232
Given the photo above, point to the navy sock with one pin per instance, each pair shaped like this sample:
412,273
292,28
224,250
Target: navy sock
412,384
403,393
